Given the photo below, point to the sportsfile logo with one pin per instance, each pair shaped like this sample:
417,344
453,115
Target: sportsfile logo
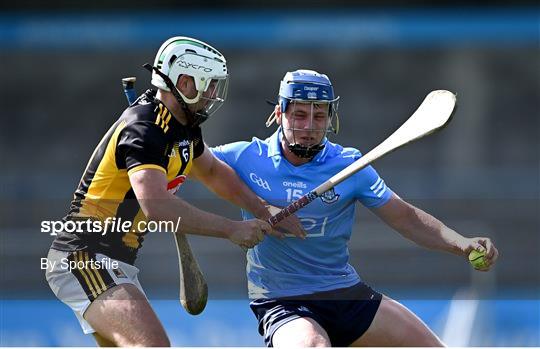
110,224
259,181
69,265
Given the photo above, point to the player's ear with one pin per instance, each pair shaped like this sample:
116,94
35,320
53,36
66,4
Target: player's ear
186,85
277,110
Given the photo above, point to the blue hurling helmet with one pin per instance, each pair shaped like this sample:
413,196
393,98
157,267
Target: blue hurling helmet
305,85
308,86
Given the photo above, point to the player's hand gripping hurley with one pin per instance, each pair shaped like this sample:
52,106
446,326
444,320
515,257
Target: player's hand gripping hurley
433,114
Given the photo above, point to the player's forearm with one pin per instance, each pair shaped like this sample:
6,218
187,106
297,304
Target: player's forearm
429,232
192,219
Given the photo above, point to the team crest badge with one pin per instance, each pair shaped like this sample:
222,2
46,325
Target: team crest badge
330,196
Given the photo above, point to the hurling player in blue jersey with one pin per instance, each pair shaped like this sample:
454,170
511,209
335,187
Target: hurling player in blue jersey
304,292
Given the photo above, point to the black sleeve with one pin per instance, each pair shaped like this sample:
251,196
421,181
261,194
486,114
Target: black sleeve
141,143
198,143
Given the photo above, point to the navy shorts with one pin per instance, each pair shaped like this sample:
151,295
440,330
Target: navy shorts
344,313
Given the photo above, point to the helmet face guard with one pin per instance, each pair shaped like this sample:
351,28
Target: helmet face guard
303,96
207,66
301,116
213,97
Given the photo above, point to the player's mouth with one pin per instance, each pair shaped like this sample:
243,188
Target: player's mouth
306,141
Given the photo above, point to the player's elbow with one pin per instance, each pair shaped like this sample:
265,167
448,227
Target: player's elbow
154,202
155,207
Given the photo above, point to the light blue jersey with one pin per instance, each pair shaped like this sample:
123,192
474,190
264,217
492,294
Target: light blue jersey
292,266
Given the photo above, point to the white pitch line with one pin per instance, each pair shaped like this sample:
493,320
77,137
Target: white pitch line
460,320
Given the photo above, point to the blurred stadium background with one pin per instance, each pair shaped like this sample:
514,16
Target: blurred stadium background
61,68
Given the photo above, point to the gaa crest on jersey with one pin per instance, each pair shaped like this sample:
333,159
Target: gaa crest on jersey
330,196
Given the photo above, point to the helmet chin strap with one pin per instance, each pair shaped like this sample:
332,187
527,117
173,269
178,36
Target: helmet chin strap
195,118
302,151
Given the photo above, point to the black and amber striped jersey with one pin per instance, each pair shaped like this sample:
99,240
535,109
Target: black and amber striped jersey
146,136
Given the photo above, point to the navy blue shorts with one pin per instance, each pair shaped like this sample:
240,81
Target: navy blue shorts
345,313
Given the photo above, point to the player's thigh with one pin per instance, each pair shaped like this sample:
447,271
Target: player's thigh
395,325
301,332
123,316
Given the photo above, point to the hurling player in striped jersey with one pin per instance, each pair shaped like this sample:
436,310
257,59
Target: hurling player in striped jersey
133,176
